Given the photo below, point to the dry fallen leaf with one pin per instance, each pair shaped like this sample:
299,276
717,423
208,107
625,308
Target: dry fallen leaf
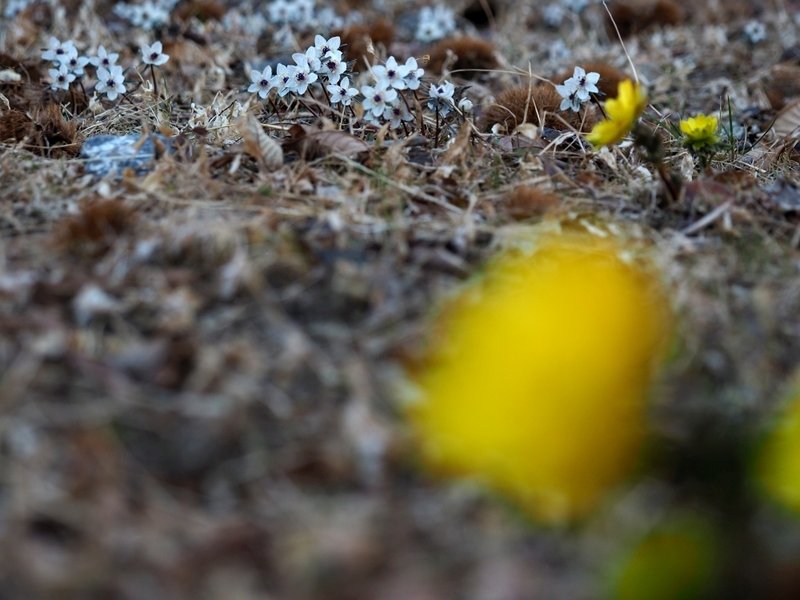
258,144
311,143
787,123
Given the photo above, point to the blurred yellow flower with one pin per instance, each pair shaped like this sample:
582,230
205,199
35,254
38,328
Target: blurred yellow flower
779,460
537,384
700,131
621,114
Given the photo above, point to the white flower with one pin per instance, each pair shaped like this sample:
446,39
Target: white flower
428,32
153,55
413,74
327,19
279,11
434,23
377,98
261,82
14,7
342,93
307,60
558,50
553,15
303,73
570,99
332,66
148,15
578,89
576,5
61,77
755,31
323,47
76,64
392,74
283,80
440,97
304,12
110,82
585,83
103,58
59,52
251,24
465,105
397,113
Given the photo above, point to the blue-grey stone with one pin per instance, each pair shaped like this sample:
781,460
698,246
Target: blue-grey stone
111,154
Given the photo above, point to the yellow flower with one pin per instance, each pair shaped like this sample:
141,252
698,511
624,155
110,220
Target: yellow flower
621,114
537,384
779,460
700,131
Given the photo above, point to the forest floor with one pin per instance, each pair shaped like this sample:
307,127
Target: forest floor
198,363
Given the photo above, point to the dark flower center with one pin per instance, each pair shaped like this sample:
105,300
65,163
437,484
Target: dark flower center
331,65
263,83
301,77
392,74
377,98
153,55
110,83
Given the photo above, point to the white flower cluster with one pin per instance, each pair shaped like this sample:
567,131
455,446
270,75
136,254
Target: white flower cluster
67,63
294,12
323,61
435,23
68,66
305,14
147,15
383,101
554,13
251,24
578,89
322,67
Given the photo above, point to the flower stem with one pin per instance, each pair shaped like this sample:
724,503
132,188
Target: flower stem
327,97
153,75
405,100
436,135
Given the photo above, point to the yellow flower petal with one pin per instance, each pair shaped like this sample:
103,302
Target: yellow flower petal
700,130
608,132
622,113
538,386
